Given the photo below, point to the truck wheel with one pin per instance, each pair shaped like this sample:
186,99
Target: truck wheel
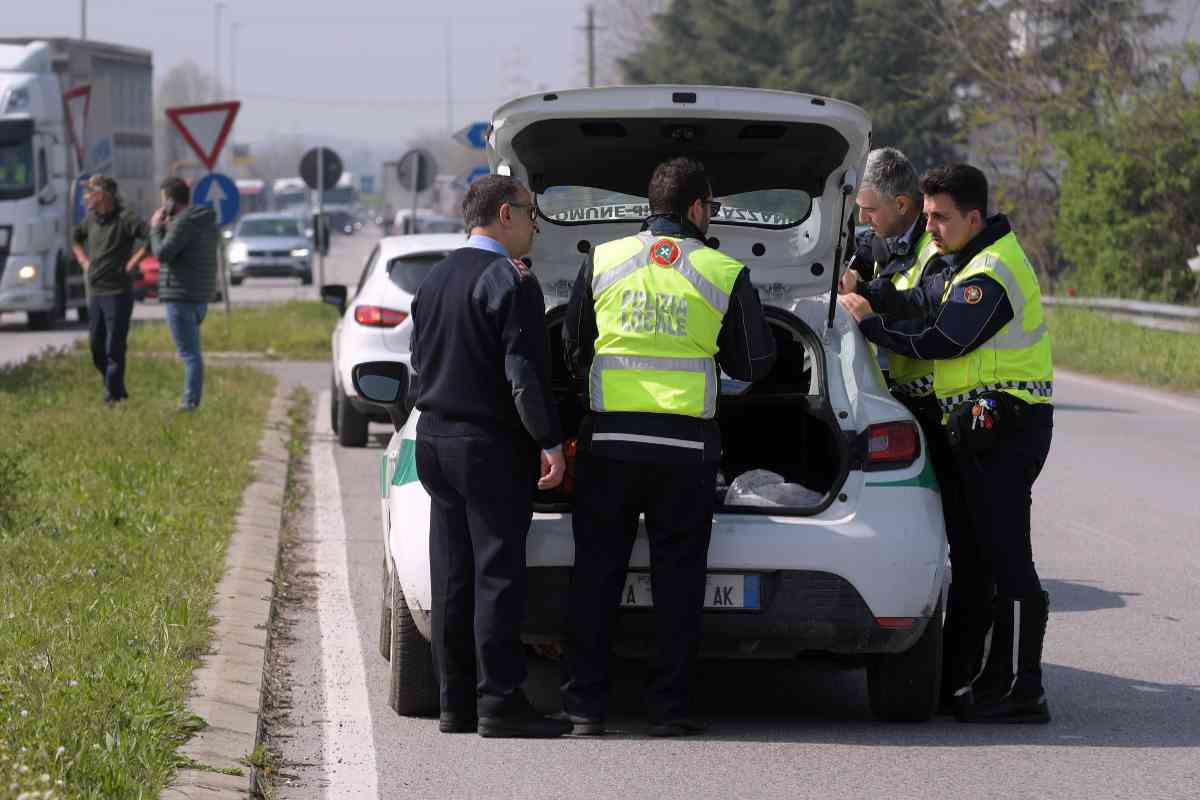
385,615
351,425
39,320
903,687
414,687
306,279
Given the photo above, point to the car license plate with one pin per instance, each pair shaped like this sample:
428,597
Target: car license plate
721,591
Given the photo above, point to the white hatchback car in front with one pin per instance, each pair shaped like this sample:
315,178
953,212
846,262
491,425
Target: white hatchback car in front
858,573
381,301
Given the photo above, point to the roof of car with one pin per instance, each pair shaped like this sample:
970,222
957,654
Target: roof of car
393,246
270,215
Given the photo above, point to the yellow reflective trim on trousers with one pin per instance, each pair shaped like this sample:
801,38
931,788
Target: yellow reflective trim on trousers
705,366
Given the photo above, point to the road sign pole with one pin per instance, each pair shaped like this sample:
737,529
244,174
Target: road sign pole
416,177
319,227
224,276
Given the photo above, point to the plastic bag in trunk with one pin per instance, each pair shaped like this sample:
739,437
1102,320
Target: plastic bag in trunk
761,487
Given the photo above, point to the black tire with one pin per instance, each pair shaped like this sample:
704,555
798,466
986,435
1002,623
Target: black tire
306,279
385,615
334,392
40,320
903,687
351,425
236,281
414,689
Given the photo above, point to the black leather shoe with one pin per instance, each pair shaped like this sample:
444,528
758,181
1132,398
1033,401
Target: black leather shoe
582,725
677,727
455,722
523,724
1007,709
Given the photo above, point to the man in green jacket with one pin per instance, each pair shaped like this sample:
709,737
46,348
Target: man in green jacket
184,237
108,245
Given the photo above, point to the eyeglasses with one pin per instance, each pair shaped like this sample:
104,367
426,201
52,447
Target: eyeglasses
713,205
532,209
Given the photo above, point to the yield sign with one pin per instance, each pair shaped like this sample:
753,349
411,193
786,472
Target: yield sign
205,128
78,102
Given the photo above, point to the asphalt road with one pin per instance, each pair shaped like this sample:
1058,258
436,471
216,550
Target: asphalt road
1117,525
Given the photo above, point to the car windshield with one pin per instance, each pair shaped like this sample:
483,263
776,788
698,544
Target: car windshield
762,208
409,272
16,169
277,226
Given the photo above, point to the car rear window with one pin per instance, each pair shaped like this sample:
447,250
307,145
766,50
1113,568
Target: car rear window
409,272
762,208
283,226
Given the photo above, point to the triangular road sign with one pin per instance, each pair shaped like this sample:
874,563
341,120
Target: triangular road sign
78,102
205,128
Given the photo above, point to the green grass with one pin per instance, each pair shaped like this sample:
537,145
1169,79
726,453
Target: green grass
1088,341
298,329
113,527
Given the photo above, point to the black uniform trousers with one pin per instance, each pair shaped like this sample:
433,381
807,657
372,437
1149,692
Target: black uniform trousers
678,502
992,556
481,492
108,330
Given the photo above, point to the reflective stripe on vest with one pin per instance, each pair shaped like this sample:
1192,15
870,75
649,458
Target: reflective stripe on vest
659,305
1017,359
913,377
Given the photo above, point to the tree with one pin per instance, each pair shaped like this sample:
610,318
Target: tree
875,53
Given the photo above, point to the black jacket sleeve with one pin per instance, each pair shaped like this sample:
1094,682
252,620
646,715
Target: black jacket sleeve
974,312
513,299
745,345
579,327
414,348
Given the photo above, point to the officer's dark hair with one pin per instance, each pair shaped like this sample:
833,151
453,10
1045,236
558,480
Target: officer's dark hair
176,189
676,184
966,185
481,206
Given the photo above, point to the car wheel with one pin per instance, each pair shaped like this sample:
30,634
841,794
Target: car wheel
236,281
334,393
414,689
385,615
903,687
306,279
351,425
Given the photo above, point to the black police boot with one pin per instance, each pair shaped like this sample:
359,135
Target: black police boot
964,634
1000,694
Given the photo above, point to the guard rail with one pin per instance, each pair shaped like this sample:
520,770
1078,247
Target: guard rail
1149,315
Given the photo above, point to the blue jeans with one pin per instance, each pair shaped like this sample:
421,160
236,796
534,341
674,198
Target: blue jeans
184,321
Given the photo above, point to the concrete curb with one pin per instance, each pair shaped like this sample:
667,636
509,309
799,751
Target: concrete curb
227,686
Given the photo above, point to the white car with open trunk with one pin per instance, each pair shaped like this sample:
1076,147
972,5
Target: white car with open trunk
859,571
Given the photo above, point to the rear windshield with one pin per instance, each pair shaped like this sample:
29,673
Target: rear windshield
282,226
763,208
409,272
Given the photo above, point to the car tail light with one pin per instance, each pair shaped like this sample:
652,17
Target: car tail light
895,623
891,445
378,317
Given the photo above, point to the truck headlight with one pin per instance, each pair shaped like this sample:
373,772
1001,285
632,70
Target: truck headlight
300,252
27,272
238,252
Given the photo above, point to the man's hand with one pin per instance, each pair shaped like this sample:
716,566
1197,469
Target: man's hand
848,283
156,218
554,466
856,306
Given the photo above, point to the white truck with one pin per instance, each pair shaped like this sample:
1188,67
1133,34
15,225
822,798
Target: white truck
69,108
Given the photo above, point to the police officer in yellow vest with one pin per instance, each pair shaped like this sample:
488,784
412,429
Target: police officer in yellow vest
986,333
650,319
895,253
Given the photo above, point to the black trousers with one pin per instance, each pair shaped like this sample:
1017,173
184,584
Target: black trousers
992,555
481,502
678,503
108,331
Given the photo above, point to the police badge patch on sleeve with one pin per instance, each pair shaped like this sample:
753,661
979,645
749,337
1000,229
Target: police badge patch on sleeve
972,294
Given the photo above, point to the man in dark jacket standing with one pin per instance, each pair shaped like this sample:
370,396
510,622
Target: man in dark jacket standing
185,239
108,246
479,347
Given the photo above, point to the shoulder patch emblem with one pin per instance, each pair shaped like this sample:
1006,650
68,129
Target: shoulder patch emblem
972,294
664,252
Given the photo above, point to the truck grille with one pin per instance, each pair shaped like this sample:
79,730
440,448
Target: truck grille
271,253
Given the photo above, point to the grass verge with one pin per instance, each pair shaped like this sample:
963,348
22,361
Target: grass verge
297,329
113,531
1087,341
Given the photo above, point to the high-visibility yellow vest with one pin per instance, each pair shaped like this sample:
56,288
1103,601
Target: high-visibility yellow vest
1017,359
659,304
913,377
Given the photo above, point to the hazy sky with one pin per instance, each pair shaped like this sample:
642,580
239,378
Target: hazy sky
371,70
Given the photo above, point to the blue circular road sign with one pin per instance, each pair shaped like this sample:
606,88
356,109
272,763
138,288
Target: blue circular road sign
220,194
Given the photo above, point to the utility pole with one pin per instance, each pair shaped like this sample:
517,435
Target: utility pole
233,44
590,29
216,67
82,19
449,82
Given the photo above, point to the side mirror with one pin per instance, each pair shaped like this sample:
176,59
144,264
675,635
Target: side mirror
335,295
384,383
47,196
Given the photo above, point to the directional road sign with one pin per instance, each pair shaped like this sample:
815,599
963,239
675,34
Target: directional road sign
80,207
205,128
220,194
474,135
78,102
331,170
475,174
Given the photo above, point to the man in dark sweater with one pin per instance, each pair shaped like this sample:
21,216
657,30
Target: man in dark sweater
480,349
185,240
108,246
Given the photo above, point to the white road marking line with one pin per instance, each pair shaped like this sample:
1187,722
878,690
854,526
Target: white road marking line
347,732
1137,392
